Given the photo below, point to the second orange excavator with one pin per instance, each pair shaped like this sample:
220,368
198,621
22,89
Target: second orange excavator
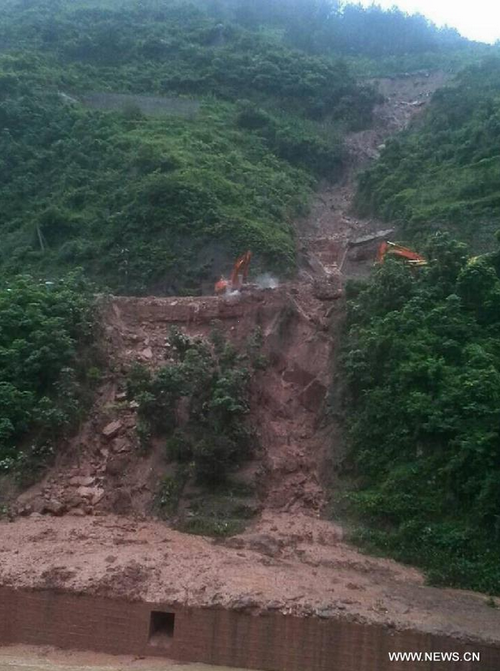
238,277
408,255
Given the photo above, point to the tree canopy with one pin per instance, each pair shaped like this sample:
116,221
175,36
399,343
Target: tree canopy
46,338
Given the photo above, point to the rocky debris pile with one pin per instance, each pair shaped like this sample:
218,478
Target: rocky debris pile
328,287
320,260
89,484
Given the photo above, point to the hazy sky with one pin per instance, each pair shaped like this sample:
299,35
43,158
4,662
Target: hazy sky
476,19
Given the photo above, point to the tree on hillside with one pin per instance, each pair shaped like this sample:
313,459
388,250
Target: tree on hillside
334,26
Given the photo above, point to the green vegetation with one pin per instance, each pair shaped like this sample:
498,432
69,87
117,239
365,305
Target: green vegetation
212,378
444,173
255,98
223,512
148,28
163,202
142,203
199,404
170,491
422,365
450,61
160,203
421,357
46,367
374,41
323,26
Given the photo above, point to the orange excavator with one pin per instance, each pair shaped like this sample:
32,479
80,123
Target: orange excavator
238,277
408,255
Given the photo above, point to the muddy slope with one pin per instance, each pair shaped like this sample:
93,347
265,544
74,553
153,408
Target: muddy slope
291,571
102,469
332,225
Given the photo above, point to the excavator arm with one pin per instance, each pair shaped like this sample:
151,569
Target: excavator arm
408,255
240,269
239,275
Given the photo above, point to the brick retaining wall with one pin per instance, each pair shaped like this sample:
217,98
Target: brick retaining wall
269,642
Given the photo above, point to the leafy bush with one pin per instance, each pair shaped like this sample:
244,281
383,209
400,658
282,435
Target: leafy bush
128,47
299,143
45,330
139,206
170,492
323,26
221,513
211,379
422,365
179,447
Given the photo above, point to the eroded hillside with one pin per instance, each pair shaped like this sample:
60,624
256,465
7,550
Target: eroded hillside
102,469
287,554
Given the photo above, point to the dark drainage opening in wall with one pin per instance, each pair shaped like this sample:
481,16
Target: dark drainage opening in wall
161,628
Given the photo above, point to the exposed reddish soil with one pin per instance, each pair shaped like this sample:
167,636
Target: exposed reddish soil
66,533
101,468
291,569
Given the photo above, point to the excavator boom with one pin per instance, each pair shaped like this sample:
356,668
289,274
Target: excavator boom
239,275
409,255
241,268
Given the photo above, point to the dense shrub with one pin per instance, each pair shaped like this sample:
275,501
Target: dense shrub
45,331
129,47
297,142
341,27
422,364
159,203
211,379
142,204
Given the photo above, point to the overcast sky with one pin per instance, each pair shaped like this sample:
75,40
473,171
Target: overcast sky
476,19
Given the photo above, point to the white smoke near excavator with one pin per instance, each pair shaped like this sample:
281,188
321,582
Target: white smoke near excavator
267,281
238,280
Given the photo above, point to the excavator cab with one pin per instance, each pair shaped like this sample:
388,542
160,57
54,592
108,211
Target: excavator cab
221,286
